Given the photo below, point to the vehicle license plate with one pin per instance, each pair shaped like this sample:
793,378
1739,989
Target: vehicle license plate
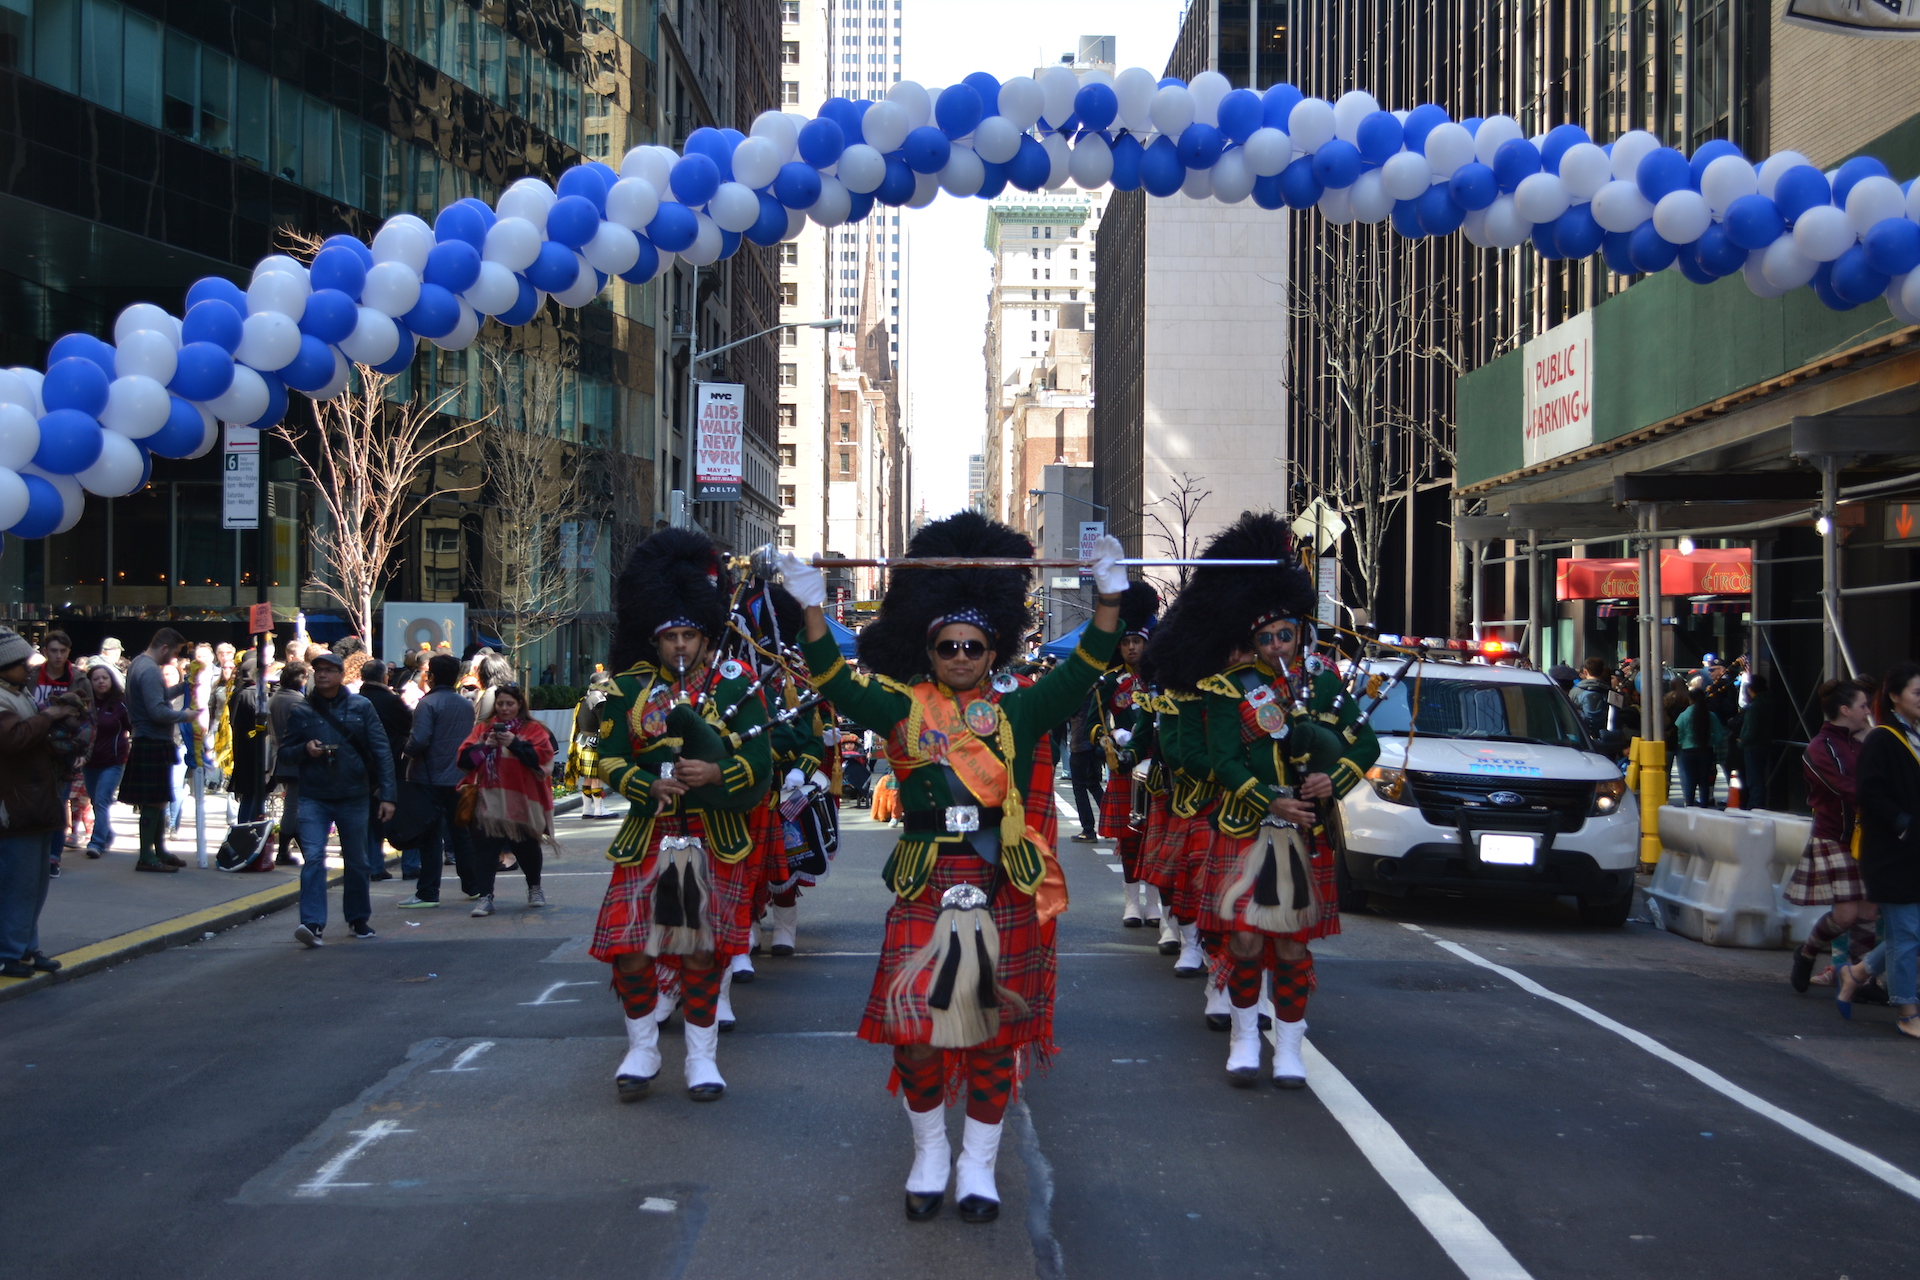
1506,850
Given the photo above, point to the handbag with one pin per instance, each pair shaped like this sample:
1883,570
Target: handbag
414,815
244,843
468,807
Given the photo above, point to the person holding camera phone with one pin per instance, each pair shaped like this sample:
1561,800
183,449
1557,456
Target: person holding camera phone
346,771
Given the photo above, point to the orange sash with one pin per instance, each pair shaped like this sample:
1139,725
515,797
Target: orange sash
945,738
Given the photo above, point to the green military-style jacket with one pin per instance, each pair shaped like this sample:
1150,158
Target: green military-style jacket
1244,706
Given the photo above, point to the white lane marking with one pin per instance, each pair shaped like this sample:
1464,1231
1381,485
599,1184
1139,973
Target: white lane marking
1113,867
1416,928
1452,1225
467,1055
325,1178
1889,1173
654,1204
546,997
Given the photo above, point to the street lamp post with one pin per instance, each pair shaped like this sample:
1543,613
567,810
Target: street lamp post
1072,497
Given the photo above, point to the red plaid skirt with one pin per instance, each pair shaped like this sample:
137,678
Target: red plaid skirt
1223,856
626,915
1187,842
1827,874
1027,965
1158,855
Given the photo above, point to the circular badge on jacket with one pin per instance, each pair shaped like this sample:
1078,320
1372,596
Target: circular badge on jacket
1269,717
1005,683
731,670
982,717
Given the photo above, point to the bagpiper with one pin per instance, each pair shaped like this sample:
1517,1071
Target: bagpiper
1126,738
584,749
680,739
963,990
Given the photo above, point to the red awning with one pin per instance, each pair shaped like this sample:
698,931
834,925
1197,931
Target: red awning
1723,572
1598,580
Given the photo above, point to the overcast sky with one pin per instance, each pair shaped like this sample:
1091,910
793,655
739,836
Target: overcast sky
948,275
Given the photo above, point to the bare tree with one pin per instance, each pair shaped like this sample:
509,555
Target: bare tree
1177,534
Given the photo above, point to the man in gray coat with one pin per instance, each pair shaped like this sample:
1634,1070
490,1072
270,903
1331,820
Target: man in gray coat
441,722
147,783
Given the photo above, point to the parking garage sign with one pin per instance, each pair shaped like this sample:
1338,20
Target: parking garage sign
1559,391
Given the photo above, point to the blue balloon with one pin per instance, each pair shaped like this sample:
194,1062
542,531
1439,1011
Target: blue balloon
183,433
1822,285
331,315
1754,222
1267,193
1843,179
312,369
1276,106
1545,242
1030,166
1420,122
224,290
524,307
354,245
693,178
453,265
437,314
402,357
554,270
1648,252
1406,218
1662,171
204,371
1200,145
1126,163
645,268
339,268
859,205
797,185
45,508
1161,172
771,226
714,145
485,210
958,110
1472,125
1473,186
1515,161
674,227
582,180
1379,138
729,245
276,401
897,187
1239,113
216,322
1799,189
1855,279
821,142
1096,104
1298,186
844,114
1706,155
1717,252
1337,163
989,90
995,181
1616,249
1436,211
1170,82
460,221
1576,233
926,150
69,442
1687,261
1556,144
573,220
82,346
1892,246
75,383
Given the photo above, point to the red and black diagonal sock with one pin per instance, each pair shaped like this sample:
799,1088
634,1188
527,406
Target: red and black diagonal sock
922,1080
989,1084
1292,981
1821,936
1243,983
790,898
1862,938
700,989
638,991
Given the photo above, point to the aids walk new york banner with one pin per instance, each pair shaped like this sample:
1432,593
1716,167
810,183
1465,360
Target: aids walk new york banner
720,411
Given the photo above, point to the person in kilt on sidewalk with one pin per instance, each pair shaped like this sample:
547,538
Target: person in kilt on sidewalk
963,990
1828,874
1117,704
147,783
676,912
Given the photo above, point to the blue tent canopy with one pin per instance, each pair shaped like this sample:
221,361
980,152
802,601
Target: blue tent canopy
1064,645
842,637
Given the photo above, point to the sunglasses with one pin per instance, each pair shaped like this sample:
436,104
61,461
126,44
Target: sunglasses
953,648
1279,635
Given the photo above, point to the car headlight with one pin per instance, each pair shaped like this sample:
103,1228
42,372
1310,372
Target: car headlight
1607,796
1390,784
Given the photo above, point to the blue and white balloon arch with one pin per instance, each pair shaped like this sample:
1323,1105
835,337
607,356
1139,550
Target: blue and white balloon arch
94,419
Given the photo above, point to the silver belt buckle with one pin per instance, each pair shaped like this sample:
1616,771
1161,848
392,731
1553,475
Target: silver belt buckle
666,770
963,817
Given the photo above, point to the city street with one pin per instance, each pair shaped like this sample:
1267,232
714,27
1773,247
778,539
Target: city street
439,1102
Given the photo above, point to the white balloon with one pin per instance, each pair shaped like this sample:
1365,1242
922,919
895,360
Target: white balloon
1021,102
612,250
338,382
884,127
1681,217
14,391
1910,293
1474,228
31,380
774,128
1896,299
463,333
1584,169
137,406
1541,197
706,246
147,351
1135,88
631,202
14,498
244,401
1449,146
1619,206
1058,85
1785,266
578,294
530,199
1268,151
1754,272
755,162
1371,200
287,265
1172,110
1727,178
144,316
1058,158
19,439
1629,149
1092,162
1872,200
996,139
965,175
1822,233
1207,89
1504,224
496,290
1406,176
639,162
514,243
831,209
796,223
926,189
278,291
118,469
392,287
1199,184
1494,132
375,337
399,241
912,97
1349,109
734,207
1310,124
1775,165
412,220
1336,203
268,341
1233,179
209,434
861,167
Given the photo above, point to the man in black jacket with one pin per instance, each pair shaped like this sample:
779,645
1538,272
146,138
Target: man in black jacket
396,717
345,767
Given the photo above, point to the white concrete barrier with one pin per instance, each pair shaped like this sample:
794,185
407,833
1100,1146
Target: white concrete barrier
1722,877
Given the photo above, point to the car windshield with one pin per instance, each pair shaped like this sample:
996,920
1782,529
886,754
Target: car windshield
1492,711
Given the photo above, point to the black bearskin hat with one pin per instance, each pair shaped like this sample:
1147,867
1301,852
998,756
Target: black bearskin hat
1216,612
673,578
770,608
895,643
1138,605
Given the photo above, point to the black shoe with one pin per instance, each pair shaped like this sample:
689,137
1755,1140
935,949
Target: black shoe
922,1208
284,860
1870,993
781,950
41,961
361,929
53,869
978,1209
15,969
743,978
1266,1023
409,875
381,875
1802,975
632,1088
1084,838
1219,1022
308,935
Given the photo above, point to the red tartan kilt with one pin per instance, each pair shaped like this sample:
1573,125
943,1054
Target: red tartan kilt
1157,854
1223,853
1187,840
1026,961
626,914
1827,874
1116,805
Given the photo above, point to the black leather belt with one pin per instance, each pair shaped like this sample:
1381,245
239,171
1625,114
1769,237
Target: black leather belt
934,821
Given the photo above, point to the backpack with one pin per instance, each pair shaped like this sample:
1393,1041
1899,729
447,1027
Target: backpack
1591,704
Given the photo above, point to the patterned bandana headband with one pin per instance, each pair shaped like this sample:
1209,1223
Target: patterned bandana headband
971,617
671,623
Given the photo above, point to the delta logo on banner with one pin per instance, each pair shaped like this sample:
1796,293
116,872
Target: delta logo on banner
1872,19
1559,390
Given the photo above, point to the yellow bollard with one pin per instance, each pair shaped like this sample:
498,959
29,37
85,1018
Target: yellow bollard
1653,795
1633,766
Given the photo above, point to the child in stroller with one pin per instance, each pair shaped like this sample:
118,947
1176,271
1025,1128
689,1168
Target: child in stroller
856,770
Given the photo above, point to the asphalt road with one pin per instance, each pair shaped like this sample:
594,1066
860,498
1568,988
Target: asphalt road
438,1103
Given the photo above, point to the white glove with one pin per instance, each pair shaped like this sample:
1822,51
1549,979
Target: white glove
1121,737
1109,578
806,583
830,737
793,781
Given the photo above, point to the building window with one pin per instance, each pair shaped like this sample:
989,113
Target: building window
789,10
1073,273
787,498
789,53
846,429
846,462
1033,233
789,337
1034,336
789,456
846,399
785,535
789,93
597,145
789,415
1049,233
789,253
789,375
789,294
